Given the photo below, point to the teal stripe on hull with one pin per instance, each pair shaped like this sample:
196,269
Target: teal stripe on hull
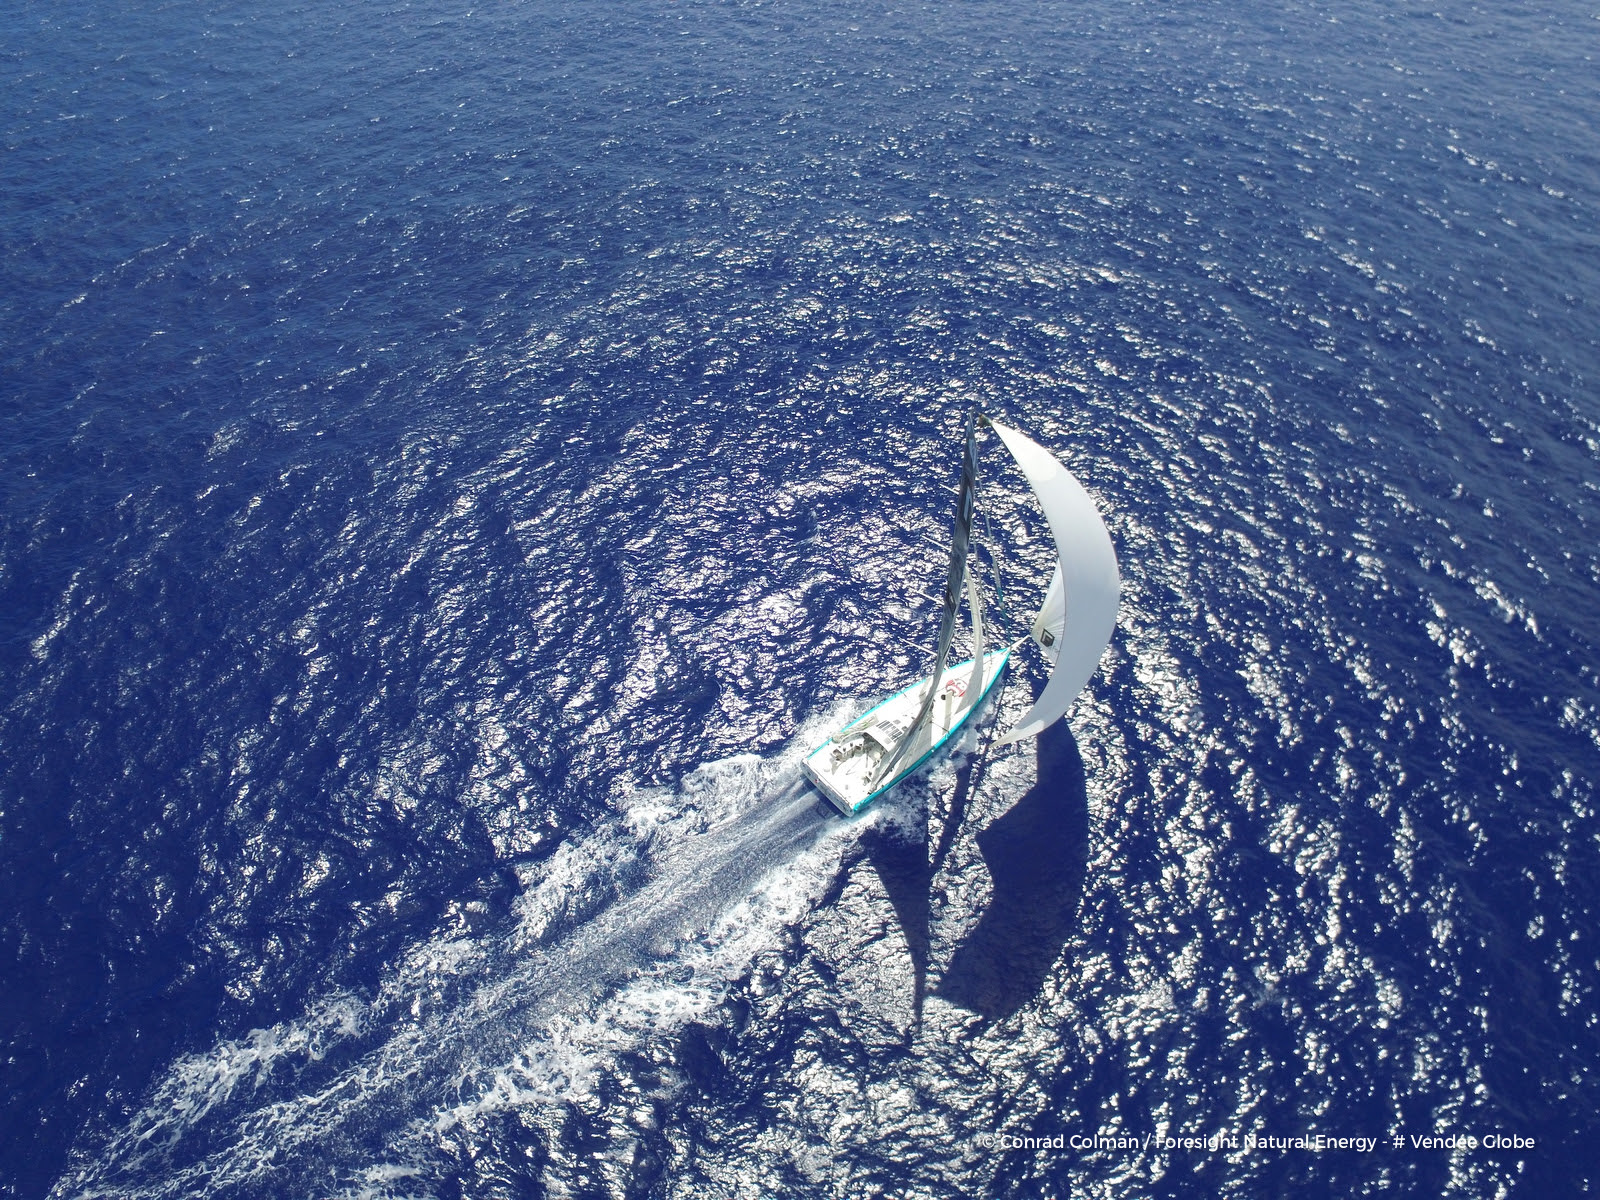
1005,658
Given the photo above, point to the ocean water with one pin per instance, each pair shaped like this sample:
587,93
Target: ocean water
456,458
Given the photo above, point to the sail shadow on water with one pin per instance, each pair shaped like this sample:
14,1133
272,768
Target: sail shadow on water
1037,855
899,857
907,859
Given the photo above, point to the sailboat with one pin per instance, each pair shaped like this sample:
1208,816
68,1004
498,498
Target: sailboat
868,756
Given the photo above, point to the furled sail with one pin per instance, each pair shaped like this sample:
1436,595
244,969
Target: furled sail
966,500
1074,625
975,609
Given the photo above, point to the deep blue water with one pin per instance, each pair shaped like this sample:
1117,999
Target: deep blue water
456,458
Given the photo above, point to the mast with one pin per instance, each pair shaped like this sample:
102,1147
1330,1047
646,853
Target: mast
955,575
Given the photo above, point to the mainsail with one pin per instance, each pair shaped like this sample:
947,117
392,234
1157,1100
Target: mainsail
955,575
1075,623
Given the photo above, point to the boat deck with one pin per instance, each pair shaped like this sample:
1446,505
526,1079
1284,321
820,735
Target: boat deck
843,766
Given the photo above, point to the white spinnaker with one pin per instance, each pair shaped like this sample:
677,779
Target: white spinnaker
1086,571
1051,622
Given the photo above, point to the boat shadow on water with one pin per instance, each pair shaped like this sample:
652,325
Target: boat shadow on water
1036,854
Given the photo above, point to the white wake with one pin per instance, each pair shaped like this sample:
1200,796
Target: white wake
624,935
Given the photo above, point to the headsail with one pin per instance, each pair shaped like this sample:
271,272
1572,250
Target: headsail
1080,609
954,577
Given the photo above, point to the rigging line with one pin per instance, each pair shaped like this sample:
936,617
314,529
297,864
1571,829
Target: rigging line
995,561
913,645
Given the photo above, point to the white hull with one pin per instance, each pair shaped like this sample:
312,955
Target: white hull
843,766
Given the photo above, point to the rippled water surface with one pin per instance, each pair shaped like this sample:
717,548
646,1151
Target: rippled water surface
456,460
